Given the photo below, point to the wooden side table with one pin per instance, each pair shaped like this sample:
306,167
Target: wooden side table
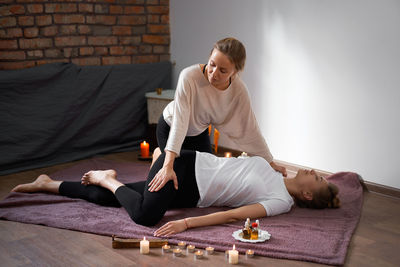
155,106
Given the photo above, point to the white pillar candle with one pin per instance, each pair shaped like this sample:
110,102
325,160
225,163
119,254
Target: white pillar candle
144,246
233,256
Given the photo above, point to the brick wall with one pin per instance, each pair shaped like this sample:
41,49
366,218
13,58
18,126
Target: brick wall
84,32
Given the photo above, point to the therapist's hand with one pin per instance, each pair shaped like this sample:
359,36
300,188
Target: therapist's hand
278,168
164,175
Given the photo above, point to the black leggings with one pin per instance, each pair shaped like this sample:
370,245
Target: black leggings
199,142
144,207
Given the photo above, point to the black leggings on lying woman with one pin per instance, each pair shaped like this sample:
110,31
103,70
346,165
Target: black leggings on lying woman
144,207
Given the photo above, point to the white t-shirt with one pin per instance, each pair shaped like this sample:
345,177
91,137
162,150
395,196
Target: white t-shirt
236,182
197,104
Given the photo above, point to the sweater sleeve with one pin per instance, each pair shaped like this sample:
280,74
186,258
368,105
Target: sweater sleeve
244,131
180,120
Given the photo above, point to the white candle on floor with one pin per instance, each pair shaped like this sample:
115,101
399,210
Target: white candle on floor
144,246
233,256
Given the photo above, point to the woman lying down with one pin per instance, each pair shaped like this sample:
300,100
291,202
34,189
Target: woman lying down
249,185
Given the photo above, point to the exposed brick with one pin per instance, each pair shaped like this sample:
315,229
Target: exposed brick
157,28
165,19
152,2
49,31
84,29
68,19
165,57
160,49
8,21
8,44
26,20
145,49
164,2
3,33
35,8
131,20
102,40
53,53
116,60
133,10
101,30
48,61
121,30
139,29
91,61
35,54
156,39
134,2
43,20
101,51
70,41
158,9
86,8
145,59
8,10
135,40
123,50
101,19
86,51
16,65
35,43
71,52
31,32
153,19
61,8
12,55
13,33
68,29
114,9
100,9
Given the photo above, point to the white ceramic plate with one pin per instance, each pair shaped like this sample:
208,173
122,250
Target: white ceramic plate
262,236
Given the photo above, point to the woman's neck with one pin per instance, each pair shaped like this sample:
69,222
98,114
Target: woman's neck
291,186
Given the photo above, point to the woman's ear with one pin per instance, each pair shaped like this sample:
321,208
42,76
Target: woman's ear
307,195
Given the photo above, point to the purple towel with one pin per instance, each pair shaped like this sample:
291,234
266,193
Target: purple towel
320,236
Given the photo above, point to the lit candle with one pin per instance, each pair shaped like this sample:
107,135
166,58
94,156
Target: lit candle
198,254
177,252
182,245
166,248
144,149
209,250
144,246
216,137
249,253
190,248
228,154
233,256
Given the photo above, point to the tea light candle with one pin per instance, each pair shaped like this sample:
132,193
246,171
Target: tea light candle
182,245
249,253
233,256
190,248
144,246
144,149
166,248
177,252
198,254
209,250
228,154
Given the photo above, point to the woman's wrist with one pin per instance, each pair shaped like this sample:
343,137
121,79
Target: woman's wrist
186,223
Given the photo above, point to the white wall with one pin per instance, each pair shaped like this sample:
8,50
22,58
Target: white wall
324,76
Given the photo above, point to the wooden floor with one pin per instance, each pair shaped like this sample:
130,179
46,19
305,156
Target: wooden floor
375,242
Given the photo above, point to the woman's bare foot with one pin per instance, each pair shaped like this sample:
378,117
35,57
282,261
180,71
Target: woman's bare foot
98,177
40,184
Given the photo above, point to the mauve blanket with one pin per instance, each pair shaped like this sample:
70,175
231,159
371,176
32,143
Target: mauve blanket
320,236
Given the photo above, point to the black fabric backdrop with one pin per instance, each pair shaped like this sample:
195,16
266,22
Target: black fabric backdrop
61,112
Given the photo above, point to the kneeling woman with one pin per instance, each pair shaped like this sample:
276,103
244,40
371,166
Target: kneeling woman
250,185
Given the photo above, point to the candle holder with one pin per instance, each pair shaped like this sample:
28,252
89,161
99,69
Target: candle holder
177,252
190,248
249,253
182,245
209,250
166,249
198,255
159,91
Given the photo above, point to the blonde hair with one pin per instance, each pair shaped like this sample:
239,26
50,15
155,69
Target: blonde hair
234,50
325,198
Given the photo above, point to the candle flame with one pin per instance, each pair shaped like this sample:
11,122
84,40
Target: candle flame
144,238
233,247
144,142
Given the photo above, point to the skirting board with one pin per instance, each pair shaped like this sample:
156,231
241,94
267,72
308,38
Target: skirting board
292,169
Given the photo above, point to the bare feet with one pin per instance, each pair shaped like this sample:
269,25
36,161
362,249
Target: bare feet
98,177
40,184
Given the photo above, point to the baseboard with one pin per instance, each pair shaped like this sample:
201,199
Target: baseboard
293,168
